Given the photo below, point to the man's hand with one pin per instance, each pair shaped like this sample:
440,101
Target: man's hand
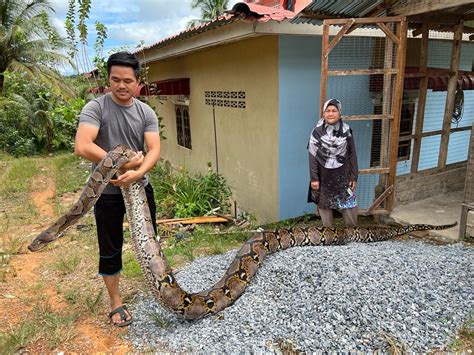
315,185
127,178
134,163
131,174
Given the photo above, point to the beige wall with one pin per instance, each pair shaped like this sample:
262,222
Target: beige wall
247,138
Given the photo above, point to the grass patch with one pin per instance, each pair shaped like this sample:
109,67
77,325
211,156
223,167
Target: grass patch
203,241
71,172
51,327
67,263
18,177
131,267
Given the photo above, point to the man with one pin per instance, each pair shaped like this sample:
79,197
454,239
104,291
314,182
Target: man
118,118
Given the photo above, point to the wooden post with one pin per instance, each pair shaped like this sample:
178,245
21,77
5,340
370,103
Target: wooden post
420,112
386,103
324,68
450,95
396,108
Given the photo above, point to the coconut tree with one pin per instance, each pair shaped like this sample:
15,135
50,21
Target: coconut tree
210,9
28,43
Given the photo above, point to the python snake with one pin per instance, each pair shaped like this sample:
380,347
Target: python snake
158,273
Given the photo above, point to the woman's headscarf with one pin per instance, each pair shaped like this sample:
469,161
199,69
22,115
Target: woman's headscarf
328,143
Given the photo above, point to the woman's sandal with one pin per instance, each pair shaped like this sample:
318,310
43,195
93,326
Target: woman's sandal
123,316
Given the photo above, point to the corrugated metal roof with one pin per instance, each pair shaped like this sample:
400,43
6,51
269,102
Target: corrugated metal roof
240,11
336,9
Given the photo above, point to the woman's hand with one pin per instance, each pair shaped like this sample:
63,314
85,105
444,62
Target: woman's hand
315,185
352,185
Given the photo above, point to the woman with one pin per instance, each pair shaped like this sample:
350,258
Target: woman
333,166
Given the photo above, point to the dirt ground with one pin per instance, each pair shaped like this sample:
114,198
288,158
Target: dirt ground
91,334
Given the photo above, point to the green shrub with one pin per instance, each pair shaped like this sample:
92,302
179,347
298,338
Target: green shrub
181,194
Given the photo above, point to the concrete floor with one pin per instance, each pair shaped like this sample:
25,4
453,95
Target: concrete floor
440,209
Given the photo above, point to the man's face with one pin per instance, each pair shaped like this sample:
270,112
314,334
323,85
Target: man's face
331,115
123,83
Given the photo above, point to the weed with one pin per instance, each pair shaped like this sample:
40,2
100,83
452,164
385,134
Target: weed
12,245
52,327
16,339
159,320
67,263
93,303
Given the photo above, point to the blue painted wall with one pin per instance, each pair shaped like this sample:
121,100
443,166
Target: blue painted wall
299,79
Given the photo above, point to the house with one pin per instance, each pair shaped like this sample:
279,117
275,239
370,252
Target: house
242,93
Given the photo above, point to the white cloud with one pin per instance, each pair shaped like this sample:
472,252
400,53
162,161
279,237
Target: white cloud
129,23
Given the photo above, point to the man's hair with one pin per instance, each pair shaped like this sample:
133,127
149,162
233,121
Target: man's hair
124,59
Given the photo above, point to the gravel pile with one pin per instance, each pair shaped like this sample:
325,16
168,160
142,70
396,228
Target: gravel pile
357,297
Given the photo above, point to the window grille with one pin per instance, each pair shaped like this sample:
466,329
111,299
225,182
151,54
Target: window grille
183,126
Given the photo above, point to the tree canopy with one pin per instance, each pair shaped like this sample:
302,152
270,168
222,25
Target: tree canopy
28,43
210,9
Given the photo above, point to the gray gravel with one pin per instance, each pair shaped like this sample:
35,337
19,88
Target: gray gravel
357,297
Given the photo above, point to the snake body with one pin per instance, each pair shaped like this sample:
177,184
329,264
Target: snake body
229,288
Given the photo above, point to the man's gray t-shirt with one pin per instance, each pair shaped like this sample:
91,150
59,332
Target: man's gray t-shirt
119,125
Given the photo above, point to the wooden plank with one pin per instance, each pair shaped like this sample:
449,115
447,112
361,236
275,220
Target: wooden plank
433,133
339,35
396,109
422,91
374,171
378,201
361,72
364,20
414,7
430,72
386,106
366,117
324,68
452,83
193,220
389,33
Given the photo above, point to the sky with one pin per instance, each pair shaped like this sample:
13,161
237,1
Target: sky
129,22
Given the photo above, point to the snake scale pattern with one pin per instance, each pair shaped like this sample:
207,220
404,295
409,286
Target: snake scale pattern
230,287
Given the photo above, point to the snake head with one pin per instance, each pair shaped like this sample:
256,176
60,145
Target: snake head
42,240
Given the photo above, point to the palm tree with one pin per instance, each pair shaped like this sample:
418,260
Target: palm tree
210,9
28,43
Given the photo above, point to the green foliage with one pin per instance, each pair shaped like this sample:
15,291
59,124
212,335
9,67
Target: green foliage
35,117
210,9
181,194
131,267
29,44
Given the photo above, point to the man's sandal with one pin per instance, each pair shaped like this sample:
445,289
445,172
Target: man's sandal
123,316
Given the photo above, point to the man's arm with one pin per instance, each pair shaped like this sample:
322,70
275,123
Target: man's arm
145,164
84,145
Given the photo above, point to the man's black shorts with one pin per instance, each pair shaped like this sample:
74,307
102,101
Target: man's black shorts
109,212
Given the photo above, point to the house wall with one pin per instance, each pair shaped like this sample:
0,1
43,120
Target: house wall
299,78
439,56
247,138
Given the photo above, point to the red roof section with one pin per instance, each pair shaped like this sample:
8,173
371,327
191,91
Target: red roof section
241,11
435,83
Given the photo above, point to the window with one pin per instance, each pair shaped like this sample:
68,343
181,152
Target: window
183,127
